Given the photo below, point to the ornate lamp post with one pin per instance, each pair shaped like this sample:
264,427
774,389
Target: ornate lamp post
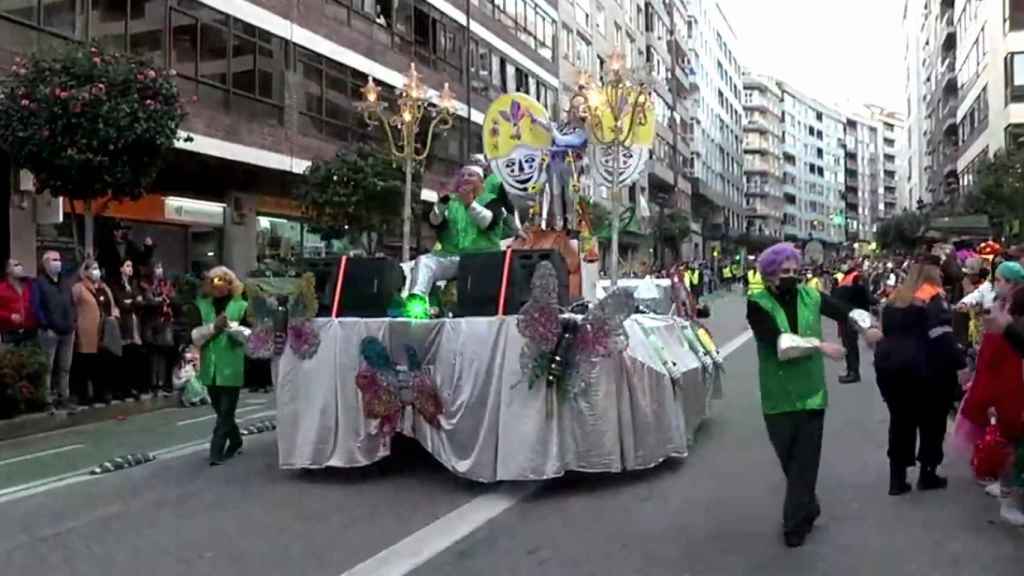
611,113
413,105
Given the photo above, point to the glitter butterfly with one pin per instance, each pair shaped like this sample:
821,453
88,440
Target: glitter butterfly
565,349
388,388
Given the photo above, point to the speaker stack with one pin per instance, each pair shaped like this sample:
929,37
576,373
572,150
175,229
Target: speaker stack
498,283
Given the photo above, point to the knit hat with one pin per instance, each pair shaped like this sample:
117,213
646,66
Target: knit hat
1011,272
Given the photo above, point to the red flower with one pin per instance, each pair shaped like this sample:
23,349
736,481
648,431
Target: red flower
172,72
96,60
150,73
194,99
76,107
140,77
25,103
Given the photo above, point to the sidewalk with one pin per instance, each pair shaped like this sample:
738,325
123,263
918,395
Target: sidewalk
41,422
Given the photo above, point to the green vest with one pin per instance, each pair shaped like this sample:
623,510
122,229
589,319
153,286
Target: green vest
797,384
462,235
222,360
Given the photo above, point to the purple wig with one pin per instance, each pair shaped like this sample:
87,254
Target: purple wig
770,262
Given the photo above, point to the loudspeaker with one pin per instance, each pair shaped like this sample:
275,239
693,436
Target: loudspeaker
480,280
366,287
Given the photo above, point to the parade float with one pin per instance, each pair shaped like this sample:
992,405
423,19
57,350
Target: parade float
618,381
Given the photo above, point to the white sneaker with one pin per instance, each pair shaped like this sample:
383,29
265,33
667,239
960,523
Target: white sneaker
995,490
1010,512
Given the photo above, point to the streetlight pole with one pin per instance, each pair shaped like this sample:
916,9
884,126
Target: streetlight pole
611,112
412,105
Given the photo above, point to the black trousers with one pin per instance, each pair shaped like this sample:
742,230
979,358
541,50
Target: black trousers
86,369
850,342
910,418
796,437
225,401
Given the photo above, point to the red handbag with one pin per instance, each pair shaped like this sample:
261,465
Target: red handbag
991,455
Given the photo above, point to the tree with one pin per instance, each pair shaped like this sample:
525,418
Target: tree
998,189
358,193
901,232
89,123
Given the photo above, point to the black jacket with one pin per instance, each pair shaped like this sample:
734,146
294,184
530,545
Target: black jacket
856,294
918,354
125,297
53,305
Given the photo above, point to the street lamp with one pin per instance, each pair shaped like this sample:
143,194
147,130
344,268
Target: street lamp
611,113
413,103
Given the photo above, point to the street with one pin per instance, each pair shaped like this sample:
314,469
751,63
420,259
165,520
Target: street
716,513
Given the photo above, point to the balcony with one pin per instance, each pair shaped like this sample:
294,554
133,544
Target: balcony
759,166
757,142
947,31
851,181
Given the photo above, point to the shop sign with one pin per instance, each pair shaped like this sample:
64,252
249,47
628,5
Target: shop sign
194,211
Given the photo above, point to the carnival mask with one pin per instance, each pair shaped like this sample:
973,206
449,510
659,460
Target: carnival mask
631,164
517,140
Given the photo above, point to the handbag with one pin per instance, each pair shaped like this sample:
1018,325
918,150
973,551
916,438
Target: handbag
110,336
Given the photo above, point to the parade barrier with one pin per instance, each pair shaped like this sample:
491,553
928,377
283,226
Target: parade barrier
459,387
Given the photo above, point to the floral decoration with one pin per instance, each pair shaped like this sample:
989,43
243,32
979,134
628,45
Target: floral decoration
303,338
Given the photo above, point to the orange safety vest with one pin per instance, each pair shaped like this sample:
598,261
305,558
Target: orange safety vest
926,292
849,279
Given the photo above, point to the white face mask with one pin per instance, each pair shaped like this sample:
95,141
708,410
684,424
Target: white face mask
53,267
94,274
158,272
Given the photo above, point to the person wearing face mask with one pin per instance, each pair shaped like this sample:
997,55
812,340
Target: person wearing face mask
17,320
129,300
157,328
785,318
55,312
916,366
93,302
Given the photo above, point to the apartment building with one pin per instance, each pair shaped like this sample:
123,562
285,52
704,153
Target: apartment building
277,82
914,177
990,70
875,159
762,156
813,168
934,149
717,121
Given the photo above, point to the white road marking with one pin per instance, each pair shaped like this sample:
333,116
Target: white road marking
412,552
43,453
736,342
429,541
212,416
254,401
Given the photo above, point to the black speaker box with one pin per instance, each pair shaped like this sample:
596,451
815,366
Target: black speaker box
368,286
480,276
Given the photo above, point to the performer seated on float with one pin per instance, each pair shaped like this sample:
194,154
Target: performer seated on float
469,222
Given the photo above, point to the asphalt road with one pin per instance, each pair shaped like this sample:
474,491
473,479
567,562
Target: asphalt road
716,513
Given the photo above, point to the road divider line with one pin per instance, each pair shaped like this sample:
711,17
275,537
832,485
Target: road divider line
415,550
254,401
212,416
42,453
734,344
429,541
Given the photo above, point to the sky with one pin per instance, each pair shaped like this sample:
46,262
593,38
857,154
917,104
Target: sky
841,52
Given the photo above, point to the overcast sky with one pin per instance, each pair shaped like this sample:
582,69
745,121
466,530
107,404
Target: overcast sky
840,51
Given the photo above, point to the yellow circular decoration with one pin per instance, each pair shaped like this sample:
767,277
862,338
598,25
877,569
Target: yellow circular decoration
517,138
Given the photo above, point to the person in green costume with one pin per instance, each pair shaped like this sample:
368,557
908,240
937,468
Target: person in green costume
785,318
469,222
221,338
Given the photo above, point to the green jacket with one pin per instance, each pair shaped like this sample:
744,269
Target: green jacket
222,357
460,234
797,384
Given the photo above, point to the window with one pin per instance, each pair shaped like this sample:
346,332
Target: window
617,39
328,95
567,42
582,13
227,53
1015,77
583,53
599,19
1014,15
57,15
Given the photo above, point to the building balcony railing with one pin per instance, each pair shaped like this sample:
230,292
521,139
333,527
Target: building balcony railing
948,31
760,166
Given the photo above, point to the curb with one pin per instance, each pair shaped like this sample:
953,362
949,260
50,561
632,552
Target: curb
39,423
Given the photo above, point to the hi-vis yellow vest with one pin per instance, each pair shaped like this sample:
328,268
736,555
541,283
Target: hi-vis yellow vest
754,281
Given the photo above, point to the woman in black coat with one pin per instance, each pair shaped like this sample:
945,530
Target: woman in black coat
916,365
130,302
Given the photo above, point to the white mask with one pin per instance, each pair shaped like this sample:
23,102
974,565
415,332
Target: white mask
158,272
53,267
94,275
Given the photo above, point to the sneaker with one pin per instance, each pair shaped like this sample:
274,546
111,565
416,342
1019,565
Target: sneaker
995,490
1010,512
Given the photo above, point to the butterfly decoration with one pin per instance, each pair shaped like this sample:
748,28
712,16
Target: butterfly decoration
565,351
388,388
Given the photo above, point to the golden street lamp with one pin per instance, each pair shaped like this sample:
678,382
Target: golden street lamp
413,105
612,112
